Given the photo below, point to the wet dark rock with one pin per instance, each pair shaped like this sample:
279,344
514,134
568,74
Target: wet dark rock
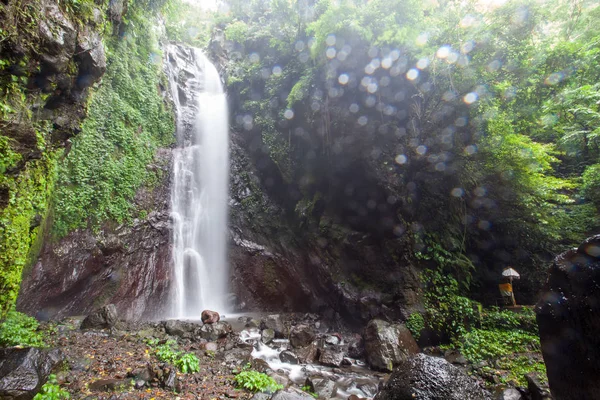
215,331
90,56
331,357
24,371
275,322
252,323
183,329
170,378
301,336
510,394
323,387
210,317
287,356
568,315
540,391
238,356
260,365
110,385
307,354
280,378
58,37
261,396
332,340
267,336
454,357
423,377
387,344
105,317
356,347
291,394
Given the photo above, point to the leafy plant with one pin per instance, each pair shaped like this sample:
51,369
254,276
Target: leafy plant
255,381
415,324
52,391
19,329
188,363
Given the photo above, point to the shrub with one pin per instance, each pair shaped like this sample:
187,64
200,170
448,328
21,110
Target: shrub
185,362
415,324
19,329
255,381
188,363
51,391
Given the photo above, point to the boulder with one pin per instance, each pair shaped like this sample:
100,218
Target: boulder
308,354
537,389
210,317
423,377
105,317
331,357
183,329
291,394
510,394
387,344
215,331
24,371
267,335
322,387
568,315
287,356
356,347
275,322
301,336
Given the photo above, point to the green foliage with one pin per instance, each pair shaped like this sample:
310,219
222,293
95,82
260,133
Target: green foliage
187,363
19,329
446,311
187,22
28,197
415,324
518,367
128,120
255,381
591,184
52,391
480,344
494,318
237,31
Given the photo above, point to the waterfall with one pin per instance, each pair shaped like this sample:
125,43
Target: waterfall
199,193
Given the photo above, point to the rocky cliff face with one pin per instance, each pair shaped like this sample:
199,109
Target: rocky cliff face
287,252
295,261
126,265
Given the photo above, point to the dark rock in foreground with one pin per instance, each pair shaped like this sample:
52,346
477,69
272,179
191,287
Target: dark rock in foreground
424,377
568,315
24,371
105,317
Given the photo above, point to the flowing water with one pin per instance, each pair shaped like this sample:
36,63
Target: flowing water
199,193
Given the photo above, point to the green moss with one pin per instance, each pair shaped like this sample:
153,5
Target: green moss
128,120
28,197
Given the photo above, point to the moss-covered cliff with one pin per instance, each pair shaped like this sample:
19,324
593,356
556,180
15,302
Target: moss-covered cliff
59,170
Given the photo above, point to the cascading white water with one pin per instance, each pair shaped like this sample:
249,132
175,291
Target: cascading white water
199,193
